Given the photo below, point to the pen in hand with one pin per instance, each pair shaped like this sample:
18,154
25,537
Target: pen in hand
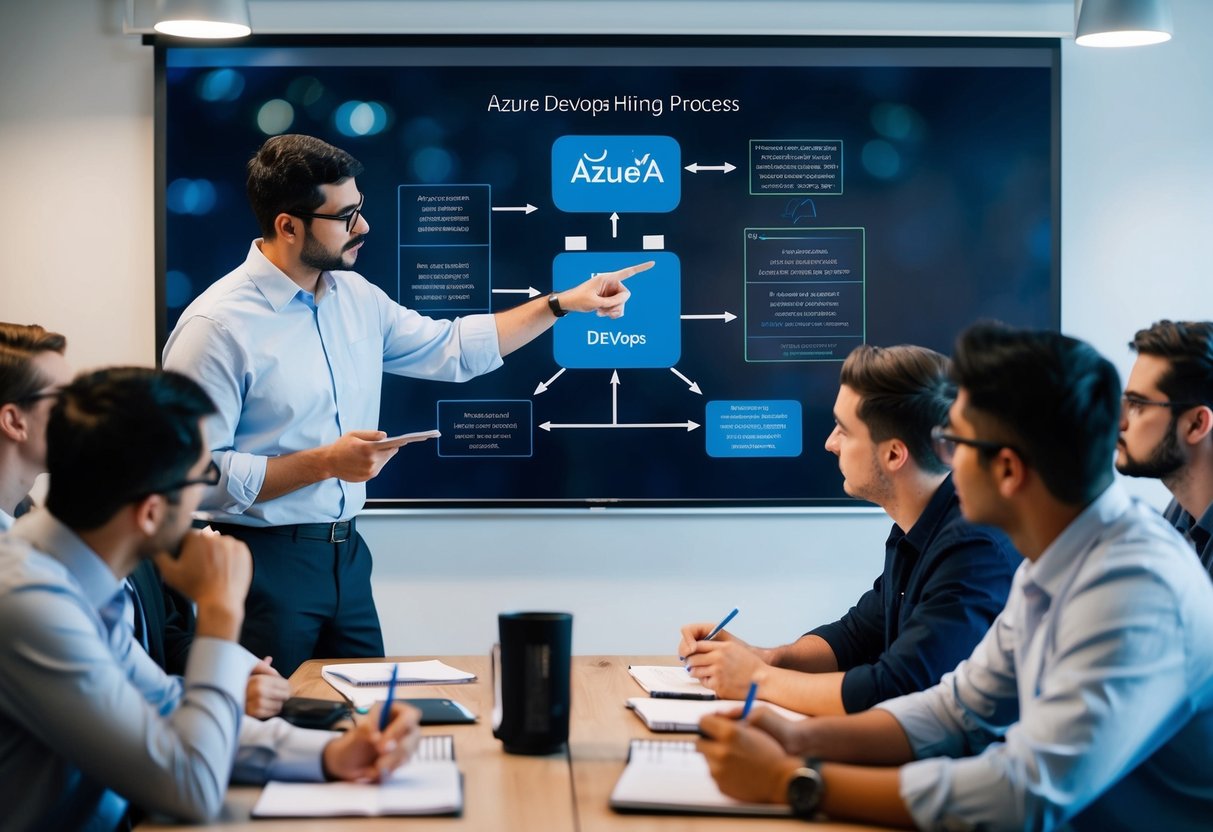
715,630
385,716
749,700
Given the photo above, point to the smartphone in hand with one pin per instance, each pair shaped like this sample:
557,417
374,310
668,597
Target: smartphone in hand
406,438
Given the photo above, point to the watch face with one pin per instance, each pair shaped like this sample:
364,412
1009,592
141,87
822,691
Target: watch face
804,792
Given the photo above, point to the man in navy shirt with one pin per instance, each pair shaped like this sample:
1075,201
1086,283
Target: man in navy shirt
1166,424
944,580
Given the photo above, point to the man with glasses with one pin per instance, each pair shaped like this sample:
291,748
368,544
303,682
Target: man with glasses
32,369
944,580
89,725
292,346
1089,703
1166,424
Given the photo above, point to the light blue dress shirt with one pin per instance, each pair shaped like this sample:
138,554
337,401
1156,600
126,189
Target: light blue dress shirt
89,722
1090,700
290,371
6,520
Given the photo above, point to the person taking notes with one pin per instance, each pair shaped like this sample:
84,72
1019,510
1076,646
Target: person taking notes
90,726
944,579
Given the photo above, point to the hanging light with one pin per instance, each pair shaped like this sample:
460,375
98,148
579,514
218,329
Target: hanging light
203,18
1122,22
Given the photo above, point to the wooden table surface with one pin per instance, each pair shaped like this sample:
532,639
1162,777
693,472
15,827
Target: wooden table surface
507,792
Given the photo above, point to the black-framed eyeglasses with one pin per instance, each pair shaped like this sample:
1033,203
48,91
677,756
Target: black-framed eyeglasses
350,217
209,477
945,444
49,393
1134,404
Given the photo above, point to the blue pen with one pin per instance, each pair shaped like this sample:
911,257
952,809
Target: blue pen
715,630
386,715
749,700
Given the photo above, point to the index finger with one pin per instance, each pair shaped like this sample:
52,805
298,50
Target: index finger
623,274
716,726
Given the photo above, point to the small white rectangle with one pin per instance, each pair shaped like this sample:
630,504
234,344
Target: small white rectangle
574,243
653,242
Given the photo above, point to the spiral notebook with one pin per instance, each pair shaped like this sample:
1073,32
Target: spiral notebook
671,776
428,784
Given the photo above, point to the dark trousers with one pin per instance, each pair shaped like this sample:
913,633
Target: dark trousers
309,598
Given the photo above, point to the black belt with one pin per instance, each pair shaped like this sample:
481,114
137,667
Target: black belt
328,532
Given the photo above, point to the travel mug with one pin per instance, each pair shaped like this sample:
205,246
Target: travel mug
531,681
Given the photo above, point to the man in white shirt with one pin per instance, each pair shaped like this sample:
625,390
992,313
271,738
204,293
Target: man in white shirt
32,369
88,723
1090,700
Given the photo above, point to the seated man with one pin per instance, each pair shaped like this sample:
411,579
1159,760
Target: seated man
88,722
33,367
1166,424
944,580
1090,700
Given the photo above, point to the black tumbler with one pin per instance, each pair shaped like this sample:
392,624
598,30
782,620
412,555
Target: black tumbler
531,680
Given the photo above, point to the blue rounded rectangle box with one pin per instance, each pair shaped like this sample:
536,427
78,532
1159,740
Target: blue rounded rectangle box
631,174
754,427
649,334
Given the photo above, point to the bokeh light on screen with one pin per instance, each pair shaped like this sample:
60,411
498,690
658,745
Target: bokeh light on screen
275,116
221,85
190,196
178,291
305,91
432,164
361,118
881,159
897,121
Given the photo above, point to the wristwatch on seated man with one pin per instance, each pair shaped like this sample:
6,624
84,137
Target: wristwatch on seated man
805,789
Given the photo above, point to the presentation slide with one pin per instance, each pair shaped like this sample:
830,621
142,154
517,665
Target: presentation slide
798,197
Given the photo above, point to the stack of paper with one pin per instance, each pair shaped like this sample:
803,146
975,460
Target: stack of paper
365,683
684,714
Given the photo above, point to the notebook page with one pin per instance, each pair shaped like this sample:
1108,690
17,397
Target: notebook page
684,714
669,681
432,671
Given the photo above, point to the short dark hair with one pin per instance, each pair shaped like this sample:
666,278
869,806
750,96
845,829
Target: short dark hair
286,173
1188,348
19,344
905,391
1053,398
117,435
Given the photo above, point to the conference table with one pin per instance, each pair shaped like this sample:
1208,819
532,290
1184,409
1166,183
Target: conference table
565,792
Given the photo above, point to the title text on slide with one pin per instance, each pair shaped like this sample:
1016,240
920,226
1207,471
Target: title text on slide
655,107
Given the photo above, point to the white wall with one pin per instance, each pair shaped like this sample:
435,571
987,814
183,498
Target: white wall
76,223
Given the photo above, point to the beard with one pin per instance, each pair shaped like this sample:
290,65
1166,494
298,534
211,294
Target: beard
1163,461
316,256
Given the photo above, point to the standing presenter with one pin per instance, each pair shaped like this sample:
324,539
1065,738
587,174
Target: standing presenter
291,346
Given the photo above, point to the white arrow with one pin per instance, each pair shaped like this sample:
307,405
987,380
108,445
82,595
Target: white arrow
694,384
544,385
695,167
529,291
688,425
614,397
726,317
614,224
526,209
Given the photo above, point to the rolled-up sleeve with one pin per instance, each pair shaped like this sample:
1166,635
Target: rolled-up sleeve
448,350
204,350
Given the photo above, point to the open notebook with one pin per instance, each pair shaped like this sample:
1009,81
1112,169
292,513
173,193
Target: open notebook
365,683
428,784
671,776
684,714
672,682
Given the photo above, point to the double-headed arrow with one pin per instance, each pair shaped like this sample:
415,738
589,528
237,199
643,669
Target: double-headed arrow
695,167
688,425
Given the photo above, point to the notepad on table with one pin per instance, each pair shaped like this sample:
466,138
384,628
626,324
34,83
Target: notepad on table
432,672
684,714
428,784
672,682
671,776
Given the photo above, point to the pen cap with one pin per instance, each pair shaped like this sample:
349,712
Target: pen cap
531,677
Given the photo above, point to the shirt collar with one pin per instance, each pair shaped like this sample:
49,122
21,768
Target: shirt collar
273,283
1051,569
6,520
1206,520
41,530
932,515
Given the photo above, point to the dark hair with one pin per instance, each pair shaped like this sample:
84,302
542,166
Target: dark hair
286,173
1053,398
1188,348
118,434
19,343
905,391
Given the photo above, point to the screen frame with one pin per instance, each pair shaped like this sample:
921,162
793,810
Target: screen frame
807,505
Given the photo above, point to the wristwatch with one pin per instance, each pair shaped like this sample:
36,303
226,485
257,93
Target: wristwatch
554,305
805,790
